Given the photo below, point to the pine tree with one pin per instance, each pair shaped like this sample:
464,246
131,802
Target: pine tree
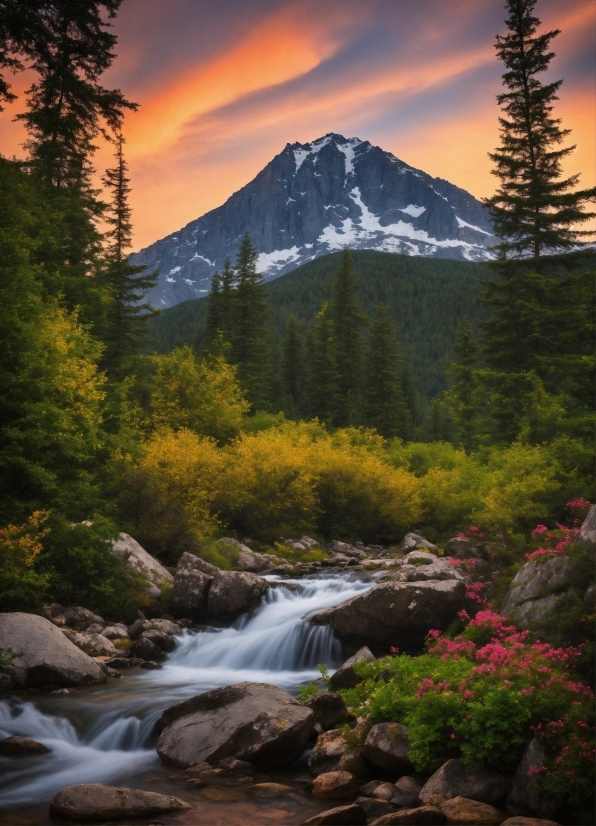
347,319
227,287
213,317
462,373
292,365
322,374
250,341
127,322
534,210
383,402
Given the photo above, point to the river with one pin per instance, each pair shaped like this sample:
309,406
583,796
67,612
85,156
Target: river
105,734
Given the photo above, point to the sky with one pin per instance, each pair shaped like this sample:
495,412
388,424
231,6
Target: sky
223,85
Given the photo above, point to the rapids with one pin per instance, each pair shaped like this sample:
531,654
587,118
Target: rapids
105,734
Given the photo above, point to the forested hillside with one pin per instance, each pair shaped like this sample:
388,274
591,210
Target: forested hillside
425,298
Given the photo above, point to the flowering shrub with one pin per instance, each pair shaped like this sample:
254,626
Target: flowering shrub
559,540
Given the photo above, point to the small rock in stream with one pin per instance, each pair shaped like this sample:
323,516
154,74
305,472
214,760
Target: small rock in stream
21,747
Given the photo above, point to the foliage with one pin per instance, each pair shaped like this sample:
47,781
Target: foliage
220,553
21,586
295,555
384,406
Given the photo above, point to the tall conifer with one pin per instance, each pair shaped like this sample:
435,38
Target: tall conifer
322,370
347,319
462,373
292,364
383,401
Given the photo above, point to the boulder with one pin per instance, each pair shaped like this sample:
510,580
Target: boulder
94,644
333,785
115,632
191,587
535,590
453,779
329,708
21,747
167,626
462,811
327,752
525,795
439,569
345,676
407,791
463,549
587,532
386,746
160,639
528,821
95,802
422,816
269,790
138,560
340,816
43,654
81,618
415,542
374,807
343,548
355,763
396,613
96,628
378,790
250,721
7,683
254,562
146,649
234,592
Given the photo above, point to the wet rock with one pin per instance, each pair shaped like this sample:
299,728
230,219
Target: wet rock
355,762
21,747
138,560
95,802
118,662
269,790
587,532
232,764
416,542
393,613
340,816
251,561
335,785
453,779
327,753
95,644
167,626
329,708
43,654
407,791
345,676
234,592
528,821
191,587
146,649
379,790
525,796
439,569
462,811
151,665
159,638
112,672
250,721
344,549
374,808
7,683
115,632
81,618
421,816
535,590
387,746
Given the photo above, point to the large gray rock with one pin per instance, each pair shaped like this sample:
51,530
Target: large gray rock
345,676
453,779
94,802
439,569
587,532
250,721
353,815
43,654
327,753
234,592
329,708
191,587
251,561
80,618
536,589
393,613
387,747
460,548
415,542
94,644
138,560
141,625
343,548
526,796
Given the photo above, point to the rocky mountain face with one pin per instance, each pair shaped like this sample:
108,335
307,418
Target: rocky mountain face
315,198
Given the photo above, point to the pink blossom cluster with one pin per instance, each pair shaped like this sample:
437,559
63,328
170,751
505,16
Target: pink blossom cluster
474,591
561,538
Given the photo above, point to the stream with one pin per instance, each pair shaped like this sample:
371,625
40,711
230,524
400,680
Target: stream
105,733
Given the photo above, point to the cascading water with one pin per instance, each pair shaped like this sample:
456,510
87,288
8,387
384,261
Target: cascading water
105,734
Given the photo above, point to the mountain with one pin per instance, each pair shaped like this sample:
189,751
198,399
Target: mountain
318,197
426,298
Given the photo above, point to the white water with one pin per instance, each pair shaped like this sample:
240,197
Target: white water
105,734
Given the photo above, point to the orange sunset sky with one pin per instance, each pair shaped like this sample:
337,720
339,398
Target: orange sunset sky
223,86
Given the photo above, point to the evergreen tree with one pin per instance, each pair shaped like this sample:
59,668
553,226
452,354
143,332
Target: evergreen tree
127,315
347,319
250,341
322,371
534,210
213,318
463,376
292,365
383,402
227,288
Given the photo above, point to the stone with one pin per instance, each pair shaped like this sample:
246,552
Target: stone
407,792
462,549
256,722
421,816
115,632
234,592
525,796
462,811
251,561
528,821
95,644
151,665
96,628
7,683
269,790
345,676
415,542
146,649
344,549
395,613
386,746
118,662
335,785
340,816
374,807
355,763
21,747
587,532
167,626
327,752
81,618
383,791
95,802
50,611
138,560
329,708
453,779
439,569
191,587
159,638
590,596
537,582
44,654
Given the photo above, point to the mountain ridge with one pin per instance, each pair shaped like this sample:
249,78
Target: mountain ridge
315,198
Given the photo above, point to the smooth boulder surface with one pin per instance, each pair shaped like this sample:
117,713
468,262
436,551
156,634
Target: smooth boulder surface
138,560
528,821
141,625
416,542
327,752
250,721
251,561
407,790
191,587
335,785
525,795
439,569
94,644
95,802
393,613
345,676
421,816
16,746
80,618
587,532
460,548
453,779
387,746
329,708
374,807
233,592
461,811
535,590
353,815
43,654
